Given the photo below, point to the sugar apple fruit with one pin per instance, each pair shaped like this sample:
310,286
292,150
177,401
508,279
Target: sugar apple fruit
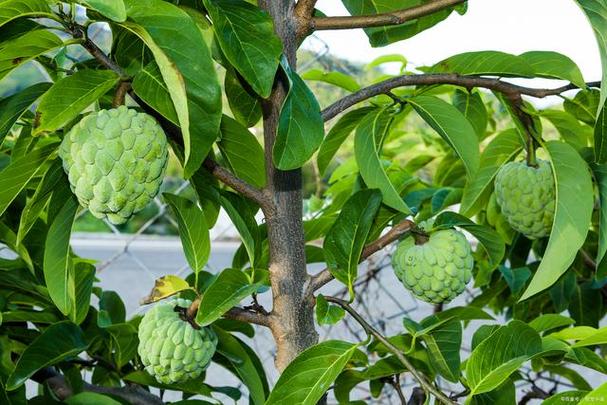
526,196
171,349
438,270
115,160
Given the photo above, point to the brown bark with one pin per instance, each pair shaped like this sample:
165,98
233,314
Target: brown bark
292,317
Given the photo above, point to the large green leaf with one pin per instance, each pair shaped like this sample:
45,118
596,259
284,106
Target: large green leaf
58,266
574,203
600,174
485,63
243,362
337,135
572,131
112,9
598,338
11,108
243,219
499,355
489,239
16,175
26,47
70,95
247,39
12,9
90,398
599,393
596,11
193,230
452,126
503,148
245,106
311,374
84,276
600,136
187,68
300,128
151,88
227,290
242,152
381,36
444,344
346,239
336,78
57,342
369,136
565,397
554,65
547,322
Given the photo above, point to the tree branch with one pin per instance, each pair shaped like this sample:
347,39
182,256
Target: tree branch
236,313
381,20
393,234
506,88
428,386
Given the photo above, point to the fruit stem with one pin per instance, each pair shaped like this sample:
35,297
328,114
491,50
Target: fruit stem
420,236
531,158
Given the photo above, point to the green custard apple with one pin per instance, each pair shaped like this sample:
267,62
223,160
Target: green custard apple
438,270
115,160
526,196
171,349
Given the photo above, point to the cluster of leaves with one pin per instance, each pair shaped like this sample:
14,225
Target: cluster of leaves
48,322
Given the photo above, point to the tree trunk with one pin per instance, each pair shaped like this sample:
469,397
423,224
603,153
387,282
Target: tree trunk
292,316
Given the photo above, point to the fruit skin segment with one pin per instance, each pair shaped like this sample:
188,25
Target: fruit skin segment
438,270
171,349
115,161
526,196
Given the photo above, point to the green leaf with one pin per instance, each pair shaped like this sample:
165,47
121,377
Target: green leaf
18,173
337,135
189,386
193,230
149,85
597,395
472,106
112,9
499,355
12,9
311,374
564,398
574,203
244,220
547,322
169,31
13,107
502,149
90,398
300,128
382,36
485,63
596,11
444,344
327,314
505,394
598,338
57,342
369,135
242,152
600,137
247,39
393,58
70,95
243,363
338,79
554,65
600,174
452,126
245,107
84,276
58,266
584,106
229,288
345,241
490,240
572,131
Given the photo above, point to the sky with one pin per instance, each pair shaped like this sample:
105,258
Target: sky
513,26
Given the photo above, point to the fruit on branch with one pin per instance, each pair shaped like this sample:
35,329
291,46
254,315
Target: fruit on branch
171,349
526,196
438,270
115,160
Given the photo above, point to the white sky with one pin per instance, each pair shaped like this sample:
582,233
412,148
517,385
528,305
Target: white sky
513,26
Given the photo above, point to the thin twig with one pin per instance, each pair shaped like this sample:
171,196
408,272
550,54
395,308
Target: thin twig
428,386
397,17
393,234
395,383
237,314
506,88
